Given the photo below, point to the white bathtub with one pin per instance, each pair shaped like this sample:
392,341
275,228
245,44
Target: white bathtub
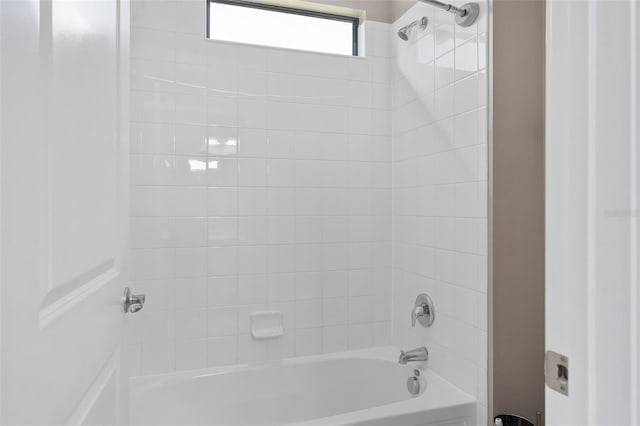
365,387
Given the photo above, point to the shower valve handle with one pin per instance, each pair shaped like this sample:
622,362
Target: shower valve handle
132,303
423,311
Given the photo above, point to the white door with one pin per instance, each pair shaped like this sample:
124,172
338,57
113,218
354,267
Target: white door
64,108
592,158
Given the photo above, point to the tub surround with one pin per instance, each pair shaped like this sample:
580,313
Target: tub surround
440,192
276,180
260,181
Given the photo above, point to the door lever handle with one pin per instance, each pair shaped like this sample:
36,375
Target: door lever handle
132,303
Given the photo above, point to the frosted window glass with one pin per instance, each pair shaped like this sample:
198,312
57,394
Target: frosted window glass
263,27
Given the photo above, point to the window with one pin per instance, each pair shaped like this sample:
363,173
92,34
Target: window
270,25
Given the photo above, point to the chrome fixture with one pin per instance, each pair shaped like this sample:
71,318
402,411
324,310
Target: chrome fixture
405,31
413,385
423,312
132,303
418,354
466,14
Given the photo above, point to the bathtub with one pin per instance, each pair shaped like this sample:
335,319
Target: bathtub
366,387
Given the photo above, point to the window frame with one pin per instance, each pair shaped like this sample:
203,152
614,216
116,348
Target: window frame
355,21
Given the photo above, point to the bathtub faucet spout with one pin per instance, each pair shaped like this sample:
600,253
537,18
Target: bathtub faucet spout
418,354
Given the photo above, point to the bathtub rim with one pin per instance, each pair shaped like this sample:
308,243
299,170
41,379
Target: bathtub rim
449,398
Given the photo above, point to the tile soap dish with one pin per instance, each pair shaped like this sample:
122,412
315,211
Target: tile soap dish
266,325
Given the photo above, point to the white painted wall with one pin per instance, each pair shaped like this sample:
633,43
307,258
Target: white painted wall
440,193
290,210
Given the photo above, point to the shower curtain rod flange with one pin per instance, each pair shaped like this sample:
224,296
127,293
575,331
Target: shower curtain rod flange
466,14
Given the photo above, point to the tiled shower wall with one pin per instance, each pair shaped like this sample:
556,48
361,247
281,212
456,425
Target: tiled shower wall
440,193
260,180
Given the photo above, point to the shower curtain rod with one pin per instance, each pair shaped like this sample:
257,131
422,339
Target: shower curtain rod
447,7
465,15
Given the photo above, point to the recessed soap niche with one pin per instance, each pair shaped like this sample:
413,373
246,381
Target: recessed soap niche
266,325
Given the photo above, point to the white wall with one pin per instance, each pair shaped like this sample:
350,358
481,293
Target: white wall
440,193
289,210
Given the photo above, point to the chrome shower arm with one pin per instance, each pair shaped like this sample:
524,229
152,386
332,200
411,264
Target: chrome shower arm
446,7
465,15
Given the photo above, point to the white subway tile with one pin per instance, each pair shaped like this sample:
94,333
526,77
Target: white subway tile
152,75
283,347
190,292
252,142
250,350
252,260
157,326
222,171
335,311
191,324
190,109
281,287
308,313
467,94
190,171
252,289
191,79
158,357
222,141
308,341
190,139
252,230
359,69
222,111
222,79
280,258
252,113
191,354
222,291
189,201
188,17
444,102
335,338
252,83
152,264
360,335
150,232
190,49
222,321
222,351
152,44
252,201
308,285
445,70
151,138
222,261
252,172
157,107
466,58
222,231
190,232
222,201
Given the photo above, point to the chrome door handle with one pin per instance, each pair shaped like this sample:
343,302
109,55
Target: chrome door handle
132,303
